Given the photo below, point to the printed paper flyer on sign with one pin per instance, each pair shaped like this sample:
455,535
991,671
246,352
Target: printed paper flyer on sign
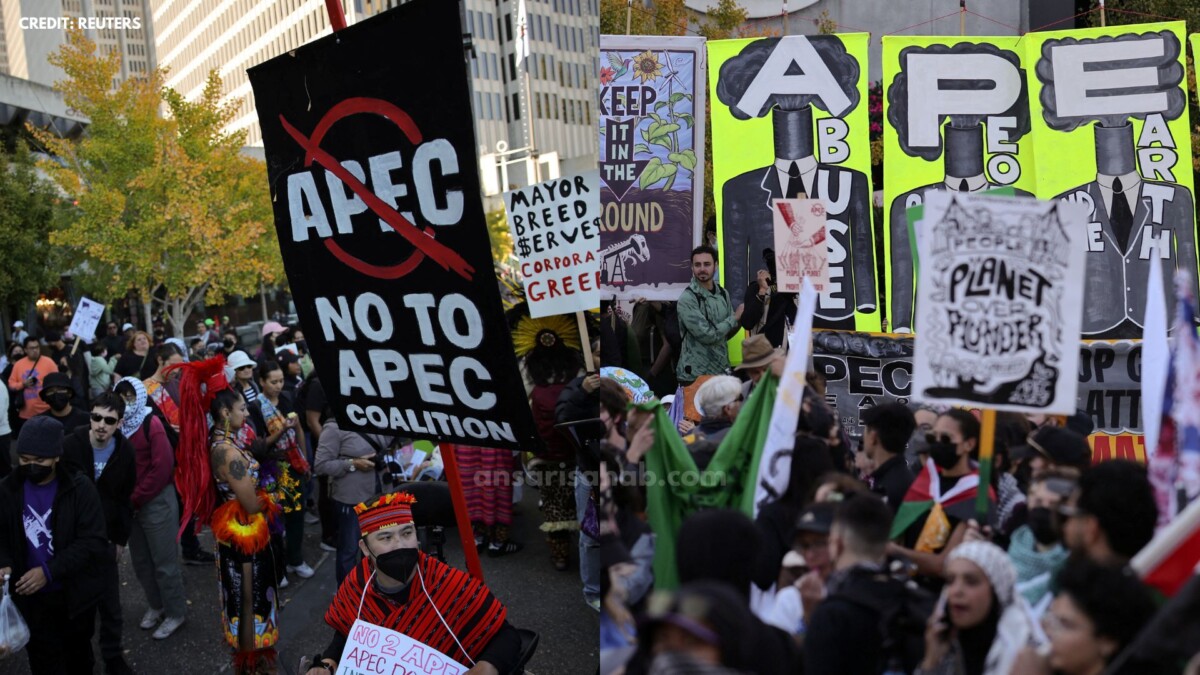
1110,123
999,303
88,314
956,118
800,249
555,226
789,119
375,649
651,163
375,186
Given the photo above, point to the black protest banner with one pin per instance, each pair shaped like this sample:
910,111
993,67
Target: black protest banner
862,370
371,158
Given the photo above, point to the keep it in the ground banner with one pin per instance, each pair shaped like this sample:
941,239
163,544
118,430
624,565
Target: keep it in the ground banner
651,163
555,227
1110,122
998,303
957,119
789,119
375,185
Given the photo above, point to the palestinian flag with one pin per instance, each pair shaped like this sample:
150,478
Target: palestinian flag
925,495
1171,558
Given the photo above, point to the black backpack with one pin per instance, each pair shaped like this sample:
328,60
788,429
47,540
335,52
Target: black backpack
901,623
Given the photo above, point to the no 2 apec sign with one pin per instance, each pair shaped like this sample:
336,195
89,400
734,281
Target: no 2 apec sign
372,169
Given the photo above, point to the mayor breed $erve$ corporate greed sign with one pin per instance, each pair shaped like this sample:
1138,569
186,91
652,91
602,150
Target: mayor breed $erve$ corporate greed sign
382,229
556,229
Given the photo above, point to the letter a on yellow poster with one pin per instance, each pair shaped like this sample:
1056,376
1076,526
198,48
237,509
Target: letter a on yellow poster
789,117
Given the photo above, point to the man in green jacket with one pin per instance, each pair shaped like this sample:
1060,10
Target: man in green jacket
706,321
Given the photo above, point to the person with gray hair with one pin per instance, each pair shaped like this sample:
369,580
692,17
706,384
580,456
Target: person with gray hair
719,399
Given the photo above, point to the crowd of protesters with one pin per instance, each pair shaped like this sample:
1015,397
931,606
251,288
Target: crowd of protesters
874,559
105,424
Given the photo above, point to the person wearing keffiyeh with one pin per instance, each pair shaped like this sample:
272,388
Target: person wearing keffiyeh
398,587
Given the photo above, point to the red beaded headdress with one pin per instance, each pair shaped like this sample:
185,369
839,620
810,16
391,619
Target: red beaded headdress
388,510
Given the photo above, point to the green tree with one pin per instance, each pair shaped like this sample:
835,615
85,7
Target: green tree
659,17
498,234
165,205
1124,12
28,206
721,21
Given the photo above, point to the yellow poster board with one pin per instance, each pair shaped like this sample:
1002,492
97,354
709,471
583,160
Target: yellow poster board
1110,119
802,100
956,117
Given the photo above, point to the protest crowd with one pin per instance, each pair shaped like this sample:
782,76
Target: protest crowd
872,556
107,449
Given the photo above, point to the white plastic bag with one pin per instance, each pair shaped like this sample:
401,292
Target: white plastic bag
14,633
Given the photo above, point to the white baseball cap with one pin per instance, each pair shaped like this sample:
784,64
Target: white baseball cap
18,324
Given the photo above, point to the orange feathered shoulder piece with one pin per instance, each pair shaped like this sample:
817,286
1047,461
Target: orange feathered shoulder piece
248,533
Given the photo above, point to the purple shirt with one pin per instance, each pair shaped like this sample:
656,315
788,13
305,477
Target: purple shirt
39,519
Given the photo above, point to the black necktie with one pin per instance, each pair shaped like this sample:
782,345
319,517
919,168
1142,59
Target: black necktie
794,187
963,187
1120,218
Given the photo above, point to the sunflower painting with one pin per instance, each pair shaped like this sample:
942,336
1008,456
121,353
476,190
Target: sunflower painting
646,66
651,158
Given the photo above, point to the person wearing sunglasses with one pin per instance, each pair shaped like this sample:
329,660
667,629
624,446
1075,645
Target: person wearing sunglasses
103,455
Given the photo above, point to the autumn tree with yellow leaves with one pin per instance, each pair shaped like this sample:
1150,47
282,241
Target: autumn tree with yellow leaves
165,205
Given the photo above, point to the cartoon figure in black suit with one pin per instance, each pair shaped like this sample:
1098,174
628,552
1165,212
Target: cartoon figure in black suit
961,147
759,81
1134,222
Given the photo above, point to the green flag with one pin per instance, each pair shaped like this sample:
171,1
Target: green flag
675,488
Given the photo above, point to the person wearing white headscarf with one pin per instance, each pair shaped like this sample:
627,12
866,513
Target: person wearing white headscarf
152,543
980,625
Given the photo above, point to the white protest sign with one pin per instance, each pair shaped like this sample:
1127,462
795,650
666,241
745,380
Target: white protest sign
801,246
87,317
774,468
555,227
999,303
374,650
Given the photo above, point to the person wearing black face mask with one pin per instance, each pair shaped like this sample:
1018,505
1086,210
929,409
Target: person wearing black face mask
51,544
58,393
394,585
927,538
1036,548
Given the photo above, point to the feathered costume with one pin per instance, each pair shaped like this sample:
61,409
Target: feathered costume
550,351
243,540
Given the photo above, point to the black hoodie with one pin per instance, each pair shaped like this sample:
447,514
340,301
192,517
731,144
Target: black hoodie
78,532
115,484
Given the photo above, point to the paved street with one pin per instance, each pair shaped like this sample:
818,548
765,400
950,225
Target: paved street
537,596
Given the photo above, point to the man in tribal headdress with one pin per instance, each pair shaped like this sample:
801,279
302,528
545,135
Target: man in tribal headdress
400,588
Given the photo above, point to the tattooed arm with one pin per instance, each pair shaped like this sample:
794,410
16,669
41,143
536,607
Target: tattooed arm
231,466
